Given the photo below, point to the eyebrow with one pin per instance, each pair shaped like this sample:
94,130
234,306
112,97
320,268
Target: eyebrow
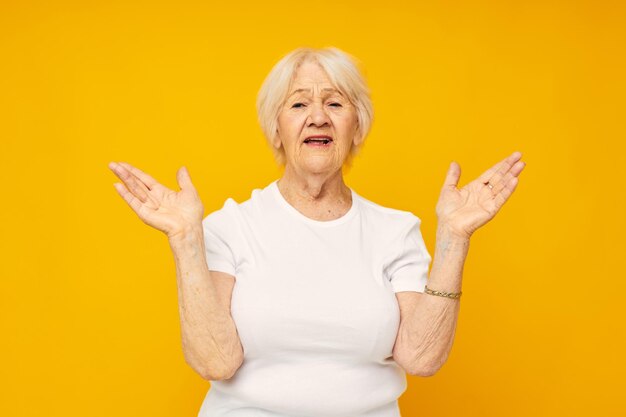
299,90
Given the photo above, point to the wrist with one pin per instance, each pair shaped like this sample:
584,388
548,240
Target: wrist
450,234
191,234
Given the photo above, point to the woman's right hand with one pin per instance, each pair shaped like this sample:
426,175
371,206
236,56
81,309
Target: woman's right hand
169,211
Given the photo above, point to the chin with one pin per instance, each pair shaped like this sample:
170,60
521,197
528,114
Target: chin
319,166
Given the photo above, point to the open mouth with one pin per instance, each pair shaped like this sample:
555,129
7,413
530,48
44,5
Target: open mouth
318,141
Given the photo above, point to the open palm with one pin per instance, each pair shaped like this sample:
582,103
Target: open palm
167,210
465,210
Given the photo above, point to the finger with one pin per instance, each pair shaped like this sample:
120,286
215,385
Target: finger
145,178
135,186
506,163
130,199
505,167
184,179
453,175
506,192
515,170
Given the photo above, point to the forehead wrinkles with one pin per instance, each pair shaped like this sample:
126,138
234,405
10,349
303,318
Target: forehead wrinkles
318,89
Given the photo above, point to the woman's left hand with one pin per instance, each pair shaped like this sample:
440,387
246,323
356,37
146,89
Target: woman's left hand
463,211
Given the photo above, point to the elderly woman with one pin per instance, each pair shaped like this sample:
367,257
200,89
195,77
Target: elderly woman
308,299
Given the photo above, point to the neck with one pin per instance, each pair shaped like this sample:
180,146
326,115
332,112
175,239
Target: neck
322,196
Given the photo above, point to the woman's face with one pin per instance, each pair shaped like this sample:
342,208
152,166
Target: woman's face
315,108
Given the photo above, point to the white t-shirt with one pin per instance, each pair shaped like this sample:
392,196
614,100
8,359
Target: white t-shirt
314,304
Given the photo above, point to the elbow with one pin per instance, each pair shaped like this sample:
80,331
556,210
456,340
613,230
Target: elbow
216,373
423,371
210,375
423,368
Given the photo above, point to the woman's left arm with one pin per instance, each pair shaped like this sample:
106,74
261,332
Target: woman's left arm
428,322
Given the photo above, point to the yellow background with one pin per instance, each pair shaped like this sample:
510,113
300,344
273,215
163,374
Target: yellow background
89,318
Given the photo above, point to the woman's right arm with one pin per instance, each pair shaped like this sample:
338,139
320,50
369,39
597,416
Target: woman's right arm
211,344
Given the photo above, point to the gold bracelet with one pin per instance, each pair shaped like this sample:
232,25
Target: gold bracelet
443,294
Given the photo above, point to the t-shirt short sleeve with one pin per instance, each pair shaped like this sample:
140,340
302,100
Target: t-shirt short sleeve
407,265
220,238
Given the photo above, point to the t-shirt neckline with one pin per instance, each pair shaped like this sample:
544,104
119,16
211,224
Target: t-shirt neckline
318,223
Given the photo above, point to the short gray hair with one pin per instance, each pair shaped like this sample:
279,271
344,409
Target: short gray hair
342,69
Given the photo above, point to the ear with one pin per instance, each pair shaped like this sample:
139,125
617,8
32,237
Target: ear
276,141
358,138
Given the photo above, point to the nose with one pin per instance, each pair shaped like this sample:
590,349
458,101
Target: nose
317,115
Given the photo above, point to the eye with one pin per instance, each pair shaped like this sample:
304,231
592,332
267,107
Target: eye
297,105
335,104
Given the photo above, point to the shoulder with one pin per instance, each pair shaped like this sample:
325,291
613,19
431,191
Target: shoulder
387,220
223,216
233,212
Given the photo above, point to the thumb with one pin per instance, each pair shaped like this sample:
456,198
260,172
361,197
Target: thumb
183,178
453,175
